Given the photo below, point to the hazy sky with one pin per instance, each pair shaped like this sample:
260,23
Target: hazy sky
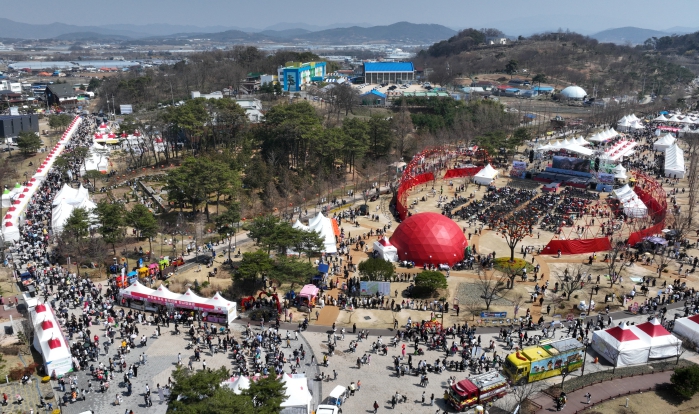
510,16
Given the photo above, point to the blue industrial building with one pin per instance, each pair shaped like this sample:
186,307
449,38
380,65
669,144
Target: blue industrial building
295,74
389,72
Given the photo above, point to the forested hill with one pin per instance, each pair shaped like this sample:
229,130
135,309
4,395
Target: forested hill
687,44
565,58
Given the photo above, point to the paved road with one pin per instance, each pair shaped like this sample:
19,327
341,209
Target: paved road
603,391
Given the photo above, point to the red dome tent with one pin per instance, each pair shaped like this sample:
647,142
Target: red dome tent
429,238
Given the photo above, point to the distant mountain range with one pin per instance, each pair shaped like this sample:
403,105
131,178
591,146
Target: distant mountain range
622,35
637,35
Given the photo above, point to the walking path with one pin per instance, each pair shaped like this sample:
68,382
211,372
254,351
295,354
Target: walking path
603,391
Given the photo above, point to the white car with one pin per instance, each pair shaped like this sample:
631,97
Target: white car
327,409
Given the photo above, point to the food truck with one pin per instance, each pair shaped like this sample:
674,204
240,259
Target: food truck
548,359
476,390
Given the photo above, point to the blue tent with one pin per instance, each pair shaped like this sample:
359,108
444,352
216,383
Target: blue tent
132,273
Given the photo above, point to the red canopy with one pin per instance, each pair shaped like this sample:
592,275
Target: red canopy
622,335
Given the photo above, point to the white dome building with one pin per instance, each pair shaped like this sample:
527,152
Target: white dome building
574,92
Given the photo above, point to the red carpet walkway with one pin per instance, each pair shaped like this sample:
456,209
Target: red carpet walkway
603,391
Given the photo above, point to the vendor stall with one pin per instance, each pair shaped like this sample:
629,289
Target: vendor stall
383,249
216,309
621,346
309,295
688,328
662,343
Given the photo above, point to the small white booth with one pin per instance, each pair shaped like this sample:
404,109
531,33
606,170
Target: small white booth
486,175
621,346
383,249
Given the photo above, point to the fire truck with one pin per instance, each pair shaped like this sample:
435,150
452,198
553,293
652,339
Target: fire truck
476,390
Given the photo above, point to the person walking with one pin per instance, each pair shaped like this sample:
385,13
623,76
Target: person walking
423,398
589,397
376,406
432,399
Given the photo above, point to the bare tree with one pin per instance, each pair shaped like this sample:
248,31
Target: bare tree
661,258
572,279
472,306
519,394
490,285
615,261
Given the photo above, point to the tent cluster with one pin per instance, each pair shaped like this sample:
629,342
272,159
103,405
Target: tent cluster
67,200
603,136
674,161
629,345
327,229
576,145
188,300
630,123
18,198
678,118
50,341
633,206
486,175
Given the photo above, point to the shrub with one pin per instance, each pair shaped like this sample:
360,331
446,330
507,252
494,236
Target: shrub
686,381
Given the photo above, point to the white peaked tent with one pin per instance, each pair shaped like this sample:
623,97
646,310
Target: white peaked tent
619,172
661,118
298,397
61,213
486,175
687,120
674,118
688,328
70,195
633,206
674,162
386,250
621,346
664,142
324,227
662,343
624,124
581,141
238,385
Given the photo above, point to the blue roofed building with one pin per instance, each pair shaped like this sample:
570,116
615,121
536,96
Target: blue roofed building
296,74
374,97
389,72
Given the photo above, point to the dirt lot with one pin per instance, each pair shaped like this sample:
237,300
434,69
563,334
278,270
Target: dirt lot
648,402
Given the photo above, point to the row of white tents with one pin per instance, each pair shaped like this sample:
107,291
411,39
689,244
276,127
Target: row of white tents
664,142
636,344
604,135
677,118
324,227
20,200
576,145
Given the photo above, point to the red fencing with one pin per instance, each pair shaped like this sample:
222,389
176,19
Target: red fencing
577,246
638,236
462,172
405,186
